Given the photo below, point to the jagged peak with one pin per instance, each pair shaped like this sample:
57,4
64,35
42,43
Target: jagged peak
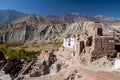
75,13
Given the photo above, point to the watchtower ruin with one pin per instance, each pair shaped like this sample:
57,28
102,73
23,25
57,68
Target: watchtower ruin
93,44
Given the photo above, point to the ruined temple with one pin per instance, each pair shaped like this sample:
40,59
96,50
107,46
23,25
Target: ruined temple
91,45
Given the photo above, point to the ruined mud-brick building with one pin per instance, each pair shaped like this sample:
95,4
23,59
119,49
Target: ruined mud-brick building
92,45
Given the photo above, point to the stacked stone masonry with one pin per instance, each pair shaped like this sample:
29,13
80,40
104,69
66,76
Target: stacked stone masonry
103,46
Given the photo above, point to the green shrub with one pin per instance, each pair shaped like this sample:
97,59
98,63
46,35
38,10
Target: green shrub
3,46
58,44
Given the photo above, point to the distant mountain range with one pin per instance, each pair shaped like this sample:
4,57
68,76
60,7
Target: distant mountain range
29,28
12,16
75,17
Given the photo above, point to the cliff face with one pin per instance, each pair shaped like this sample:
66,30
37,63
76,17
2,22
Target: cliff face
10,33
23,33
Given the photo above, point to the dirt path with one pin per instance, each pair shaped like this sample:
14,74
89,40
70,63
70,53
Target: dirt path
99,75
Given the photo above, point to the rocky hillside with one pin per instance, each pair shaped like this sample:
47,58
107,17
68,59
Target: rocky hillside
37,33
36,19
23,33
37,29
7,16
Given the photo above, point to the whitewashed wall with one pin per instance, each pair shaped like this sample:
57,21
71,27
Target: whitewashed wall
117,64
69,42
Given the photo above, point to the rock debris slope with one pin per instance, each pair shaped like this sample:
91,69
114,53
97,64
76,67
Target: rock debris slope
62,65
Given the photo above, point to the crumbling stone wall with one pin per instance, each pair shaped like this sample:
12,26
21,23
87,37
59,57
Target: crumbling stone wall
95,44
103,46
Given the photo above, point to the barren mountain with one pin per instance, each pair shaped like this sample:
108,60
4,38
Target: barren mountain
106,19
25,33
21,32
36,19
7,16
71,18
35,28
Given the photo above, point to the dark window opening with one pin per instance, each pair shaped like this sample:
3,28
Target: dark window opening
82,46
99,31
117,48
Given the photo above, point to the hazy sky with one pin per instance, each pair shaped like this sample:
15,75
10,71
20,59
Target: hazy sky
60,7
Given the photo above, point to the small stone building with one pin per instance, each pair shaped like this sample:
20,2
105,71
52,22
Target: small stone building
69,42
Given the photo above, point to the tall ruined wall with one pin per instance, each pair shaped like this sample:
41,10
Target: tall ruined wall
96,45
102,46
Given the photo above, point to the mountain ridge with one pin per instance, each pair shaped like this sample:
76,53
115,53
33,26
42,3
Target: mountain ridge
36,19
7,16
40,29
10,16
71,18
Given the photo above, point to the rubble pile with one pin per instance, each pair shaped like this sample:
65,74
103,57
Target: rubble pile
42,65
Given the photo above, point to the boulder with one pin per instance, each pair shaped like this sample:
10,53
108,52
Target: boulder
2,56
10,65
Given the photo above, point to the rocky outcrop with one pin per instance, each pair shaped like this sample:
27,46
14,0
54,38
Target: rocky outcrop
14,67
43,64
2,60
23,33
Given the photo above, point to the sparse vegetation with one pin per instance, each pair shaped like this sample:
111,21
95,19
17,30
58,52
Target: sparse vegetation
44,46
3,46
15,51
16,44
57,44
21,53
